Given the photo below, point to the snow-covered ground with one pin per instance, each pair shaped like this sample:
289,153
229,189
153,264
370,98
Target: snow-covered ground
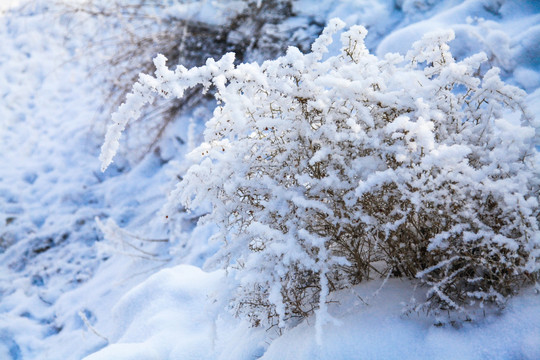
67,291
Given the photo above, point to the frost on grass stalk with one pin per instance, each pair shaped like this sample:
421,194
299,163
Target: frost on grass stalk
323,171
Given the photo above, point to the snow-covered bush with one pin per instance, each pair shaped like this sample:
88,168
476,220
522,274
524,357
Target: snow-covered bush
322,171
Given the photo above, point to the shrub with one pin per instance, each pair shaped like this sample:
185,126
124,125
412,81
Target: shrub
324,171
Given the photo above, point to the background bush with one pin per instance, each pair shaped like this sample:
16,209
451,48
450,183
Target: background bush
125,35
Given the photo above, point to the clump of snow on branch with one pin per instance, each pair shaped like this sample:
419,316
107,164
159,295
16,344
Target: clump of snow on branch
325,171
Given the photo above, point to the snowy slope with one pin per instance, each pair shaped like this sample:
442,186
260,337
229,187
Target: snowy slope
51,190
67,292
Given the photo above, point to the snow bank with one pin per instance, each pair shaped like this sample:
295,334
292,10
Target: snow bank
166,317
379,331
172,316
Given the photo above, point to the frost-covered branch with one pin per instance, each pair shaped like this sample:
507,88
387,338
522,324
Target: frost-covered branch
166,83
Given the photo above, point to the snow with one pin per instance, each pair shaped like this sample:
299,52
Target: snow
379,331
173,321
143,299
149,324
8,4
